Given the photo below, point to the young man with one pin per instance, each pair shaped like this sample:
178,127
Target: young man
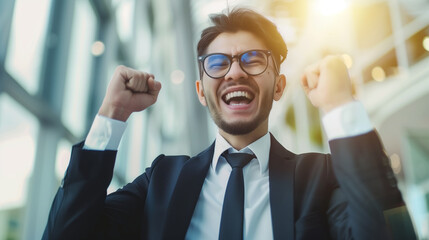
275,195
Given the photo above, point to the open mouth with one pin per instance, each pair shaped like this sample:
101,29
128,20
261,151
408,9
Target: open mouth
238,98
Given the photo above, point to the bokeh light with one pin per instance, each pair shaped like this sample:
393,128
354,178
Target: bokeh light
378,74
177,76
97,48
426,43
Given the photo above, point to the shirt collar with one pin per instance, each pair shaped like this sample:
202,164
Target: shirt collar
260,147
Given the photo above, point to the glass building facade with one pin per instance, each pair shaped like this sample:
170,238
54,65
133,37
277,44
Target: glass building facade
57,58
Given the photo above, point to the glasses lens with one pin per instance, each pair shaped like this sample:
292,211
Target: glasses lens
217,65
254,62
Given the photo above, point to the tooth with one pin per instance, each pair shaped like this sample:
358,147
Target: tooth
230,95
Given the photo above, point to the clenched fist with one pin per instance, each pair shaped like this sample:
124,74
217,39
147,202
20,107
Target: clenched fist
129,91
327,83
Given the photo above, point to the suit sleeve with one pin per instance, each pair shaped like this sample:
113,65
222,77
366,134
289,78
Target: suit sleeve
368,203
81,209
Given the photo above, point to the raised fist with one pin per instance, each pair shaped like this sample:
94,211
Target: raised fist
129,91
327,83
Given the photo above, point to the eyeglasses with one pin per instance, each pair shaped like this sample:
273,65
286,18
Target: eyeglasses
252,62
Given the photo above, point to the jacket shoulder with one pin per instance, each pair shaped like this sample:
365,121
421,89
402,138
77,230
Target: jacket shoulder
313,159
166,163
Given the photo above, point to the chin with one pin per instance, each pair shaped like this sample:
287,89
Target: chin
239,125
238,128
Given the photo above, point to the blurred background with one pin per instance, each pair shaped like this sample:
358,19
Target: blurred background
57,58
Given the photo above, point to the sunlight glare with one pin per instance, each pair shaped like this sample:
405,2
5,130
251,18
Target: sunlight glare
330,7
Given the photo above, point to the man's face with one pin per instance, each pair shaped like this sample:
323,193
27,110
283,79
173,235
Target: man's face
240,103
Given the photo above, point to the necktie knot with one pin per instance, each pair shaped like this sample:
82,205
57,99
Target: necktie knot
238,160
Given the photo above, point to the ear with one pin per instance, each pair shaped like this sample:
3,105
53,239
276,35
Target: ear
200,92
279,87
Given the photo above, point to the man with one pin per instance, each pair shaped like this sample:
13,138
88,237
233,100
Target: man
275,195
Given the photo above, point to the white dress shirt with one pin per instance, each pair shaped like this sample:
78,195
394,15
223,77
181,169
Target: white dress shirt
345,121
205,222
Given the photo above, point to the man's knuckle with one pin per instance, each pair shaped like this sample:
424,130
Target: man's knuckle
121,68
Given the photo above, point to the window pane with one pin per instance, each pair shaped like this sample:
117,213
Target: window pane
26,42
17,150
124,19
79,69
63,158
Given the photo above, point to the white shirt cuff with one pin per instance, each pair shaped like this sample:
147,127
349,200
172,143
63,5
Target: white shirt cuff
347,120
105,134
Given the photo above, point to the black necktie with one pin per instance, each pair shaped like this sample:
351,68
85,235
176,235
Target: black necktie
231,224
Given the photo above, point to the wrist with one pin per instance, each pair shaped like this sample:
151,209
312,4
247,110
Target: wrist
331,106
117,113
105,134
347,120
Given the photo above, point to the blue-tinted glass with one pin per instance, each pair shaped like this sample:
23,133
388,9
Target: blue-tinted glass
216,62
253,57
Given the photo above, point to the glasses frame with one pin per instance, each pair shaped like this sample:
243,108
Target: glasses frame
267,53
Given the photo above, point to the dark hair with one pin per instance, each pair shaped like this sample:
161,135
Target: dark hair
246,20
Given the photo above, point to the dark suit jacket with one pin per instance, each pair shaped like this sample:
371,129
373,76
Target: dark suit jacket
344,195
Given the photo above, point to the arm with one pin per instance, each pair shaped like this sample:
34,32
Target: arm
361,208
81,209
374,208
79,202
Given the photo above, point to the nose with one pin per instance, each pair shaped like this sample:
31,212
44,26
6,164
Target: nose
235,72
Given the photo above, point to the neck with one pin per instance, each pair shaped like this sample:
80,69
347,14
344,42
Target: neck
241,141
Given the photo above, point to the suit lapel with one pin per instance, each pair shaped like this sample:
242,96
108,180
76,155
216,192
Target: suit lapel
185,195
281,175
